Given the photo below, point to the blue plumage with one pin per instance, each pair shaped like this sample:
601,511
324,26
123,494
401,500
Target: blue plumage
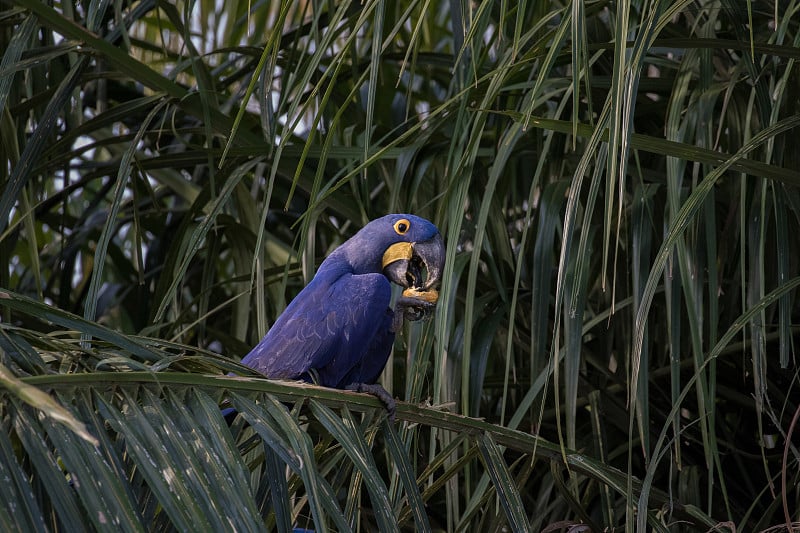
339,330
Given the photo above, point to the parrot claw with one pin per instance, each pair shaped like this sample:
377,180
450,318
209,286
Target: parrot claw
379,392
411,309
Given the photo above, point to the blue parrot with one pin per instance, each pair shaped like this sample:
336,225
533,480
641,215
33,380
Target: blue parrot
339,330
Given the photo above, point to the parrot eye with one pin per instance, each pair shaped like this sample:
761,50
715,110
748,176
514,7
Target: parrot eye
402,226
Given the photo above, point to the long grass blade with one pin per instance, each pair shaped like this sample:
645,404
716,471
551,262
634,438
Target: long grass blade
33,148
504,484
345,431
19,510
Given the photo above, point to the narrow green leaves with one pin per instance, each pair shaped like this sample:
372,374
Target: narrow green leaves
19,510
69,321
34,147
180,170
43,402
504,484
346,431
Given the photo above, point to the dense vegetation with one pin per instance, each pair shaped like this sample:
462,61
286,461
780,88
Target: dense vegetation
619,191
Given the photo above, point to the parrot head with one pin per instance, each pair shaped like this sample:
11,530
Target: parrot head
410,249
416,260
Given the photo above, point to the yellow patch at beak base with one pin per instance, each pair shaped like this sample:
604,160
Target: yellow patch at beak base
430,295
397,252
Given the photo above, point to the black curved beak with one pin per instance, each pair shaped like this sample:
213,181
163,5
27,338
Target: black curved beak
416,265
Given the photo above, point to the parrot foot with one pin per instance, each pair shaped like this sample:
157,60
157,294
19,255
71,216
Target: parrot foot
411,309
379,392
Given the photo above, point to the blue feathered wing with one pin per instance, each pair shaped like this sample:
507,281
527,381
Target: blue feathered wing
337,331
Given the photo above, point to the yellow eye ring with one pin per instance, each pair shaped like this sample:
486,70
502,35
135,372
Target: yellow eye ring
402,226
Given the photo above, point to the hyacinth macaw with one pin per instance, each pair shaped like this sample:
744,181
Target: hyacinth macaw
339,330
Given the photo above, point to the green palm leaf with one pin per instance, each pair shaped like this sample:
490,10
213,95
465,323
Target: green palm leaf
618,187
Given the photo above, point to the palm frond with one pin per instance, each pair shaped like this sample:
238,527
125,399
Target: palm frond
618,191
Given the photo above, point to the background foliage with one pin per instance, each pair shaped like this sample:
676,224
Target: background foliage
619,190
